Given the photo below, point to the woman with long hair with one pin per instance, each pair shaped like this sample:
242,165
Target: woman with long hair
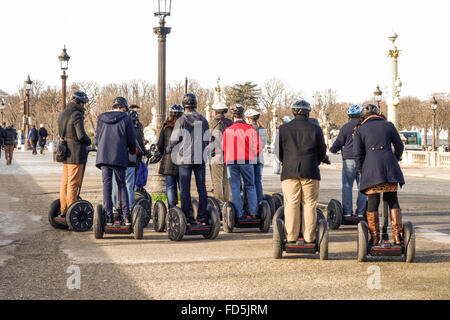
378,148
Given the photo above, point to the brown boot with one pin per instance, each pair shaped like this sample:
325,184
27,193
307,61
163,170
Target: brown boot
396,223
373,221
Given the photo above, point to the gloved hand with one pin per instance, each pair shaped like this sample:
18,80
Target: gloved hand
156,157
326,160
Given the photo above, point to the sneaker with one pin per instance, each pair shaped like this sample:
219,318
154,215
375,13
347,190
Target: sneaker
348,215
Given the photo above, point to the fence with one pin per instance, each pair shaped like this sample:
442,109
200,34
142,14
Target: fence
426,159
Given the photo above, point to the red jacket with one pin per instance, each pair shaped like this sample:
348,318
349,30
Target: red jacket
240,144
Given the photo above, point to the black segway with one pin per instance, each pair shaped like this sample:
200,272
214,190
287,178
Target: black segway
278,200
79,216
178,226
138,213
336,217
279,238
407,248
231,220
141,193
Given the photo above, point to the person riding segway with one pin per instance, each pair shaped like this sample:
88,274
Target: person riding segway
377,162
187,149
343,214
241,146
301,148
116,139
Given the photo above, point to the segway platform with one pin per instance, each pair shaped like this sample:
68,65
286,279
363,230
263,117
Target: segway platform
300,247
386,248
231,221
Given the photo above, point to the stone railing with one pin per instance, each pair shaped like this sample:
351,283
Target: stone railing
426,159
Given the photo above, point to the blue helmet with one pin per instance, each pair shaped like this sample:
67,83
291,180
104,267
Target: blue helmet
286,119
354,110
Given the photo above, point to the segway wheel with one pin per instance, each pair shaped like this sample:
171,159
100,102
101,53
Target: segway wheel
266,216
279,214
271,203
159,216
335,213
213,202
277,200
363,241
177,224
320,216
138,223
80,216
278,238
98,222
409,240
322,238
214,221
146,205
54,211
229,216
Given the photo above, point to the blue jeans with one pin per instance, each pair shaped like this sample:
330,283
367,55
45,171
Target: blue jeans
258,168
130,182
246,171
185,174
349,175
172,190
107,178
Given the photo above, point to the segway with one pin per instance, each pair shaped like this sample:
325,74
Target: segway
79,216
141,193
407,248
138,213
232,221
336,216
280,244
178,226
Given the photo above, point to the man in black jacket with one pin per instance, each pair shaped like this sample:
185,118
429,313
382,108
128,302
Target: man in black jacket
43,134
115,139
33,137
301,149
9,143
71,130
2,137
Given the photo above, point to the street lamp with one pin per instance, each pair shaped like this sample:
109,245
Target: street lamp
162,10
433,108
378,94
27,115
64,61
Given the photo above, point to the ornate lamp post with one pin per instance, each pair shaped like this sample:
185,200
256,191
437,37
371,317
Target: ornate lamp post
162,10
26,111
378,94
64,61
433,108
396,84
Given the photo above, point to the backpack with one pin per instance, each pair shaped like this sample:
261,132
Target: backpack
141,176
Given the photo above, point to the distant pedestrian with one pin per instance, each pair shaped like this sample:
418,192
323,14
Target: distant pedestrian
2,137
43,134
9,142
33,137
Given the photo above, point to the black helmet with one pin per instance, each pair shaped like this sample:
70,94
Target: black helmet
176,108
120,101
237,109
80,97
369,109
301,107
190,101
133,115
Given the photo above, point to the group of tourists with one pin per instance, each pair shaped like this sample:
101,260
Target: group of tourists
38,137
234,149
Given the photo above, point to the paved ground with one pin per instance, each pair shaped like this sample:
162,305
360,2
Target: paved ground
34,258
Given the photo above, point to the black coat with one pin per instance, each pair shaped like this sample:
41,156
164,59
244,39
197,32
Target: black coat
301,148
43,134
10,136
372,148
71,129
2,135
344,140
115,139
34,134
167,167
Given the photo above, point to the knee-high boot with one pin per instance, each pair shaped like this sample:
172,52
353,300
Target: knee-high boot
373,220
396,223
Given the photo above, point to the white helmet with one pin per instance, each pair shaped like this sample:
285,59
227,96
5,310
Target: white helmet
251,113
221,106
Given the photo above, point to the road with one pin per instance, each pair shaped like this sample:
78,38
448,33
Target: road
38,262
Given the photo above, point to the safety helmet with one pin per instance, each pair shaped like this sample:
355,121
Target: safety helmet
252,114
176,108
369,109
133,115
237,109
220,107
286,119
354,110
189,101
300,107
120,101
80,97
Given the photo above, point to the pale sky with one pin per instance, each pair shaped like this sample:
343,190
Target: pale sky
310,45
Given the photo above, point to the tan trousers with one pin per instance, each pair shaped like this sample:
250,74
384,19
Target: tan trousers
70,182
9,150
300,200
220,182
